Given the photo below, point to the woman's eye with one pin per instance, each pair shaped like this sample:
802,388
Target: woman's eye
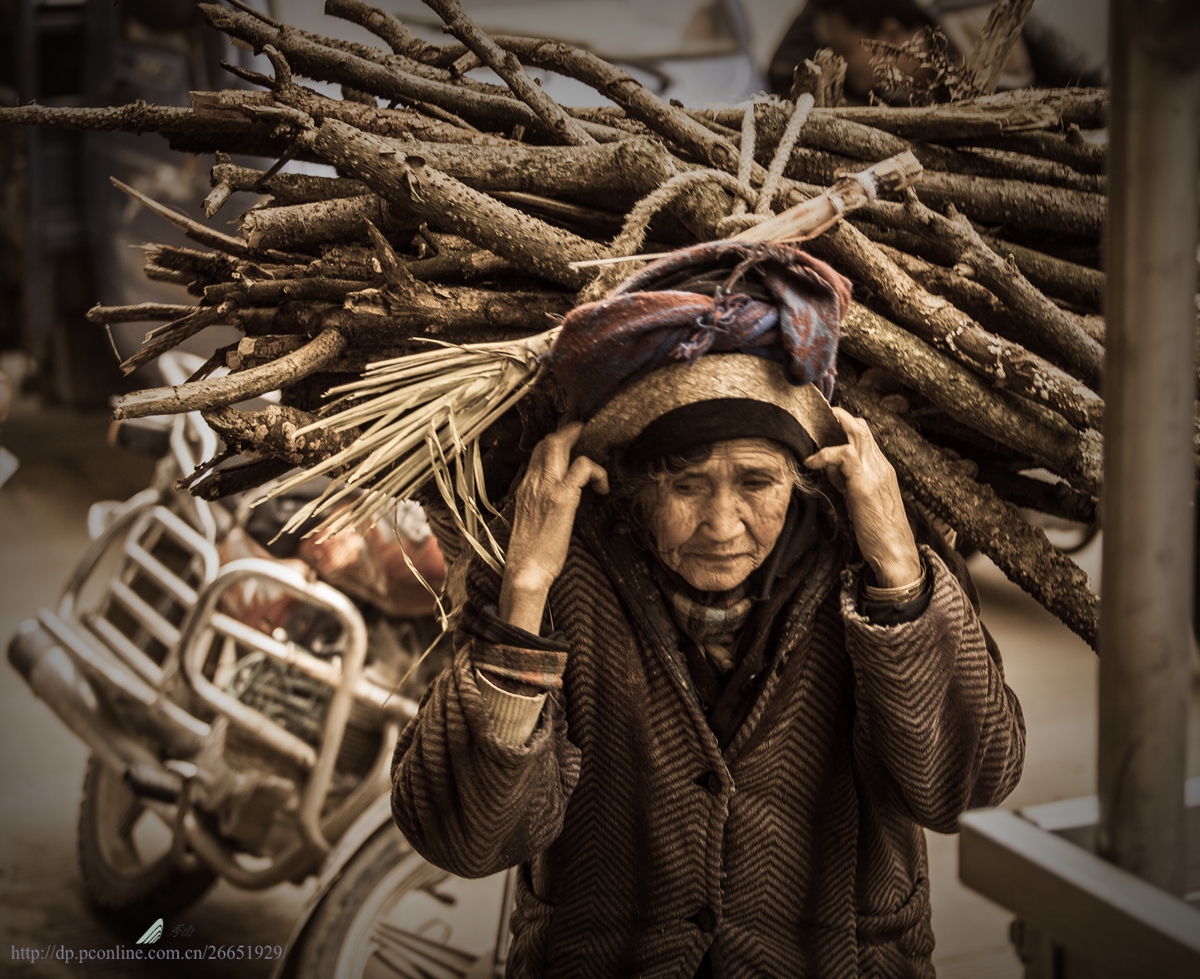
758,485
687,488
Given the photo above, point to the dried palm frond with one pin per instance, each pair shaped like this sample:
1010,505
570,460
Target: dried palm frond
420,415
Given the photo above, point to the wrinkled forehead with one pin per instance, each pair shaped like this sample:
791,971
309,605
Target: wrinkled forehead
741,455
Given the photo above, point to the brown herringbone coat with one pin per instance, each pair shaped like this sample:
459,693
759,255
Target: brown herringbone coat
798,852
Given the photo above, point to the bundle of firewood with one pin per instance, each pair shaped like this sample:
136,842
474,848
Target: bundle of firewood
467,212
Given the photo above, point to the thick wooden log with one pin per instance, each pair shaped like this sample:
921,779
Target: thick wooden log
1049,442
1067,280
1059,330
1069,149
987,199
981,304
1055,499
384,166
308,226
938,322
1022,552
1017,202
271,433
217,392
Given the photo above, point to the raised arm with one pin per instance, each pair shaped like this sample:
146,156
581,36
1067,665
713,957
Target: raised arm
935,723
482,776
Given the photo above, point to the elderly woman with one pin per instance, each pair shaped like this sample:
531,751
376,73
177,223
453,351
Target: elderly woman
722,683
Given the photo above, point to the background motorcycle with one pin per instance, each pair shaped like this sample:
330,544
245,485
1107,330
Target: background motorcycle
241,712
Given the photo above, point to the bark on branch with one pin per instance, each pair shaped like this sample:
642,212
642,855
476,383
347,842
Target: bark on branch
221,391
1003,277
271,433
385,167
1022,552
1000,33
507,66
637,100
877,342
314,60
937,322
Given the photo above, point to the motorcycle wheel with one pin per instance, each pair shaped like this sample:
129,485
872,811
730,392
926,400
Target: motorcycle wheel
125,854
392,913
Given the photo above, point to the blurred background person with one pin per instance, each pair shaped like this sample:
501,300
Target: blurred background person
1043,57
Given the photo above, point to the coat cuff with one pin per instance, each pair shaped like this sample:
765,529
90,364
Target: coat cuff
487,625
507,652
514,717
887,613
945,605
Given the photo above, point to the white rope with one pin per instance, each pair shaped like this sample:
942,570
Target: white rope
633,234
783,154
746,155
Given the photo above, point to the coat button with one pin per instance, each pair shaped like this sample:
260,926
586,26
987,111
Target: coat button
704,919
710,782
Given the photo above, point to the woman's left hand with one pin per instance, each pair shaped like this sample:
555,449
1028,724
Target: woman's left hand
868,482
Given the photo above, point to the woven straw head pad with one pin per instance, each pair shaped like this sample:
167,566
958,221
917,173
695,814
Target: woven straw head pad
638,403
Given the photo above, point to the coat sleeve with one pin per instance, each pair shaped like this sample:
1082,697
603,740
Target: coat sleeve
468,800
935,722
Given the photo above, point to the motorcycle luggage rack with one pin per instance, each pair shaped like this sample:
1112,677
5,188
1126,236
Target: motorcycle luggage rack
206,626
163,567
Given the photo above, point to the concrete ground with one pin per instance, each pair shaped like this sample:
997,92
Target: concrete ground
65,466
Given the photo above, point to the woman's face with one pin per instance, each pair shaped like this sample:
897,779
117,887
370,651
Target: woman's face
717,521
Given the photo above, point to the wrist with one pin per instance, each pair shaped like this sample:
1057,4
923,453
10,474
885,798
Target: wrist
899,570
523,601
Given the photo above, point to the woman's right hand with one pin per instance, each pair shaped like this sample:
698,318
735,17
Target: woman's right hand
546,503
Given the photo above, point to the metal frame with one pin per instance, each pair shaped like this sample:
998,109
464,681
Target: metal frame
1088,916
204,624
137,560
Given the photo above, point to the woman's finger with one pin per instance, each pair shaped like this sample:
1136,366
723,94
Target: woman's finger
552,454
584,471
833,455
856,429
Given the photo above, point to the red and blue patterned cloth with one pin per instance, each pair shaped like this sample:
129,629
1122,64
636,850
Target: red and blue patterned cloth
767,299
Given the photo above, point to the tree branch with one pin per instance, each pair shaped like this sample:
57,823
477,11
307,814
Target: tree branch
1000,33
507,66
1022,552
221,391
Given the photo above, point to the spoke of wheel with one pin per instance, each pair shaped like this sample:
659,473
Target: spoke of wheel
405,950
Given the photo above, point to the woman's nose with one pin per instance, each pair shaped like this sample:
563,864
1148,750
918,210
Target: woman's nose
724,519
